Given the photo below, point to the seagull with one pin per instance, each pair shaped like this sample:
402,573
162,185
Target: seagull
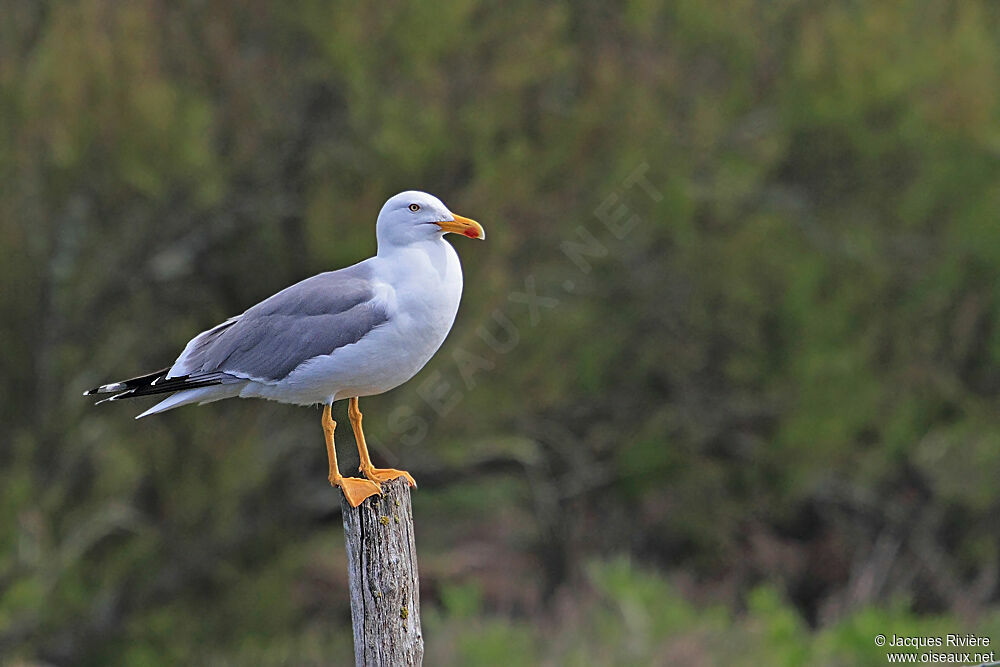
359,331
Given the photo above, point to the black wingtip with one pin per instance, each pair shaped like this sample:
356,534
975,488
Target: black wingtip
132,383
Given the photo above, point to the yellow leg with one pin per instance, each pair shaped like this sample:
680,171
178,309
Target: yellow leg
367,469
354,488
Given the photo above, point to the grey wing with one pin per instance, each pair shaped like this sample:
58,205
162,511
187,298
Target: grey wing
307,320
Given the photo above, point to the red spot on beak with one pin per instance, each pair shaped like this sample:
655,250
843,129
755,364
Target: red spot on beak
471,233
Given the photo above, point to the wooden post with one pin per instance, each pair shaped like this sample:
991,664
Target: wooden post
382,569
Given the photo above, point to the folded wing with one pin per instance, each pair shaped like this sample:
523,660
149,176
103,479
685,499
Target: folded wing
266,343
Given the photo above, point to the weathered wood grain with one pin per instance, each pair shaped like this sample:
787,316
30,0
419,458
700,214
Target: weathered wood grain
382,568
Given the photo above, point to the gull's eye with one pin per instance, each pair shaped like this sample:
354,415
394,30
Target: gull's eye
414,207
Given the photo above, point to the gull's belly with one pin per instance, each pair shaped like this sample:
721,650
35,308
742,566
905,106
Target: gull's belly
389,356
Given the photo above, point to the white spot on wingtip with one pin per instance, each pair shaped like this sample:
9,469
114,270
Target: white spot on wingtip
106,388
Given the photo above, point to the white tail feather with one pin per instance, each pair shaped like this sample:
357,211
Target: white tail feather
201,395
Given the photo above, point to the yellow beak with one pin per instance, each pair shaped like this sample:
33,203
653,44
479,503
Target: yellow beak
463,226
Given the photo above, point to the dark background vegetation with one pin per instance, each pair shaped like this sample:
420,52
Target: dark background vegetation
753,420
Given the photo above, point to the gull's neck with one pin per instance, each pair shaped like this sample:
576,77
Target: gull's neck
433,247
432,253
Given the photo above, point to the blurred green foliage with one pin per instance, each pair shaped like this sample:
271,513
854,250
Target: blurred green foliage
634,617
776,393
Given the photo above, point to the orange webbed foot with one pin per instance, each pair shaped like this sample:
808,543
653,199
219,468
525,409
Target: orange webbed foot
356,490
387,474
